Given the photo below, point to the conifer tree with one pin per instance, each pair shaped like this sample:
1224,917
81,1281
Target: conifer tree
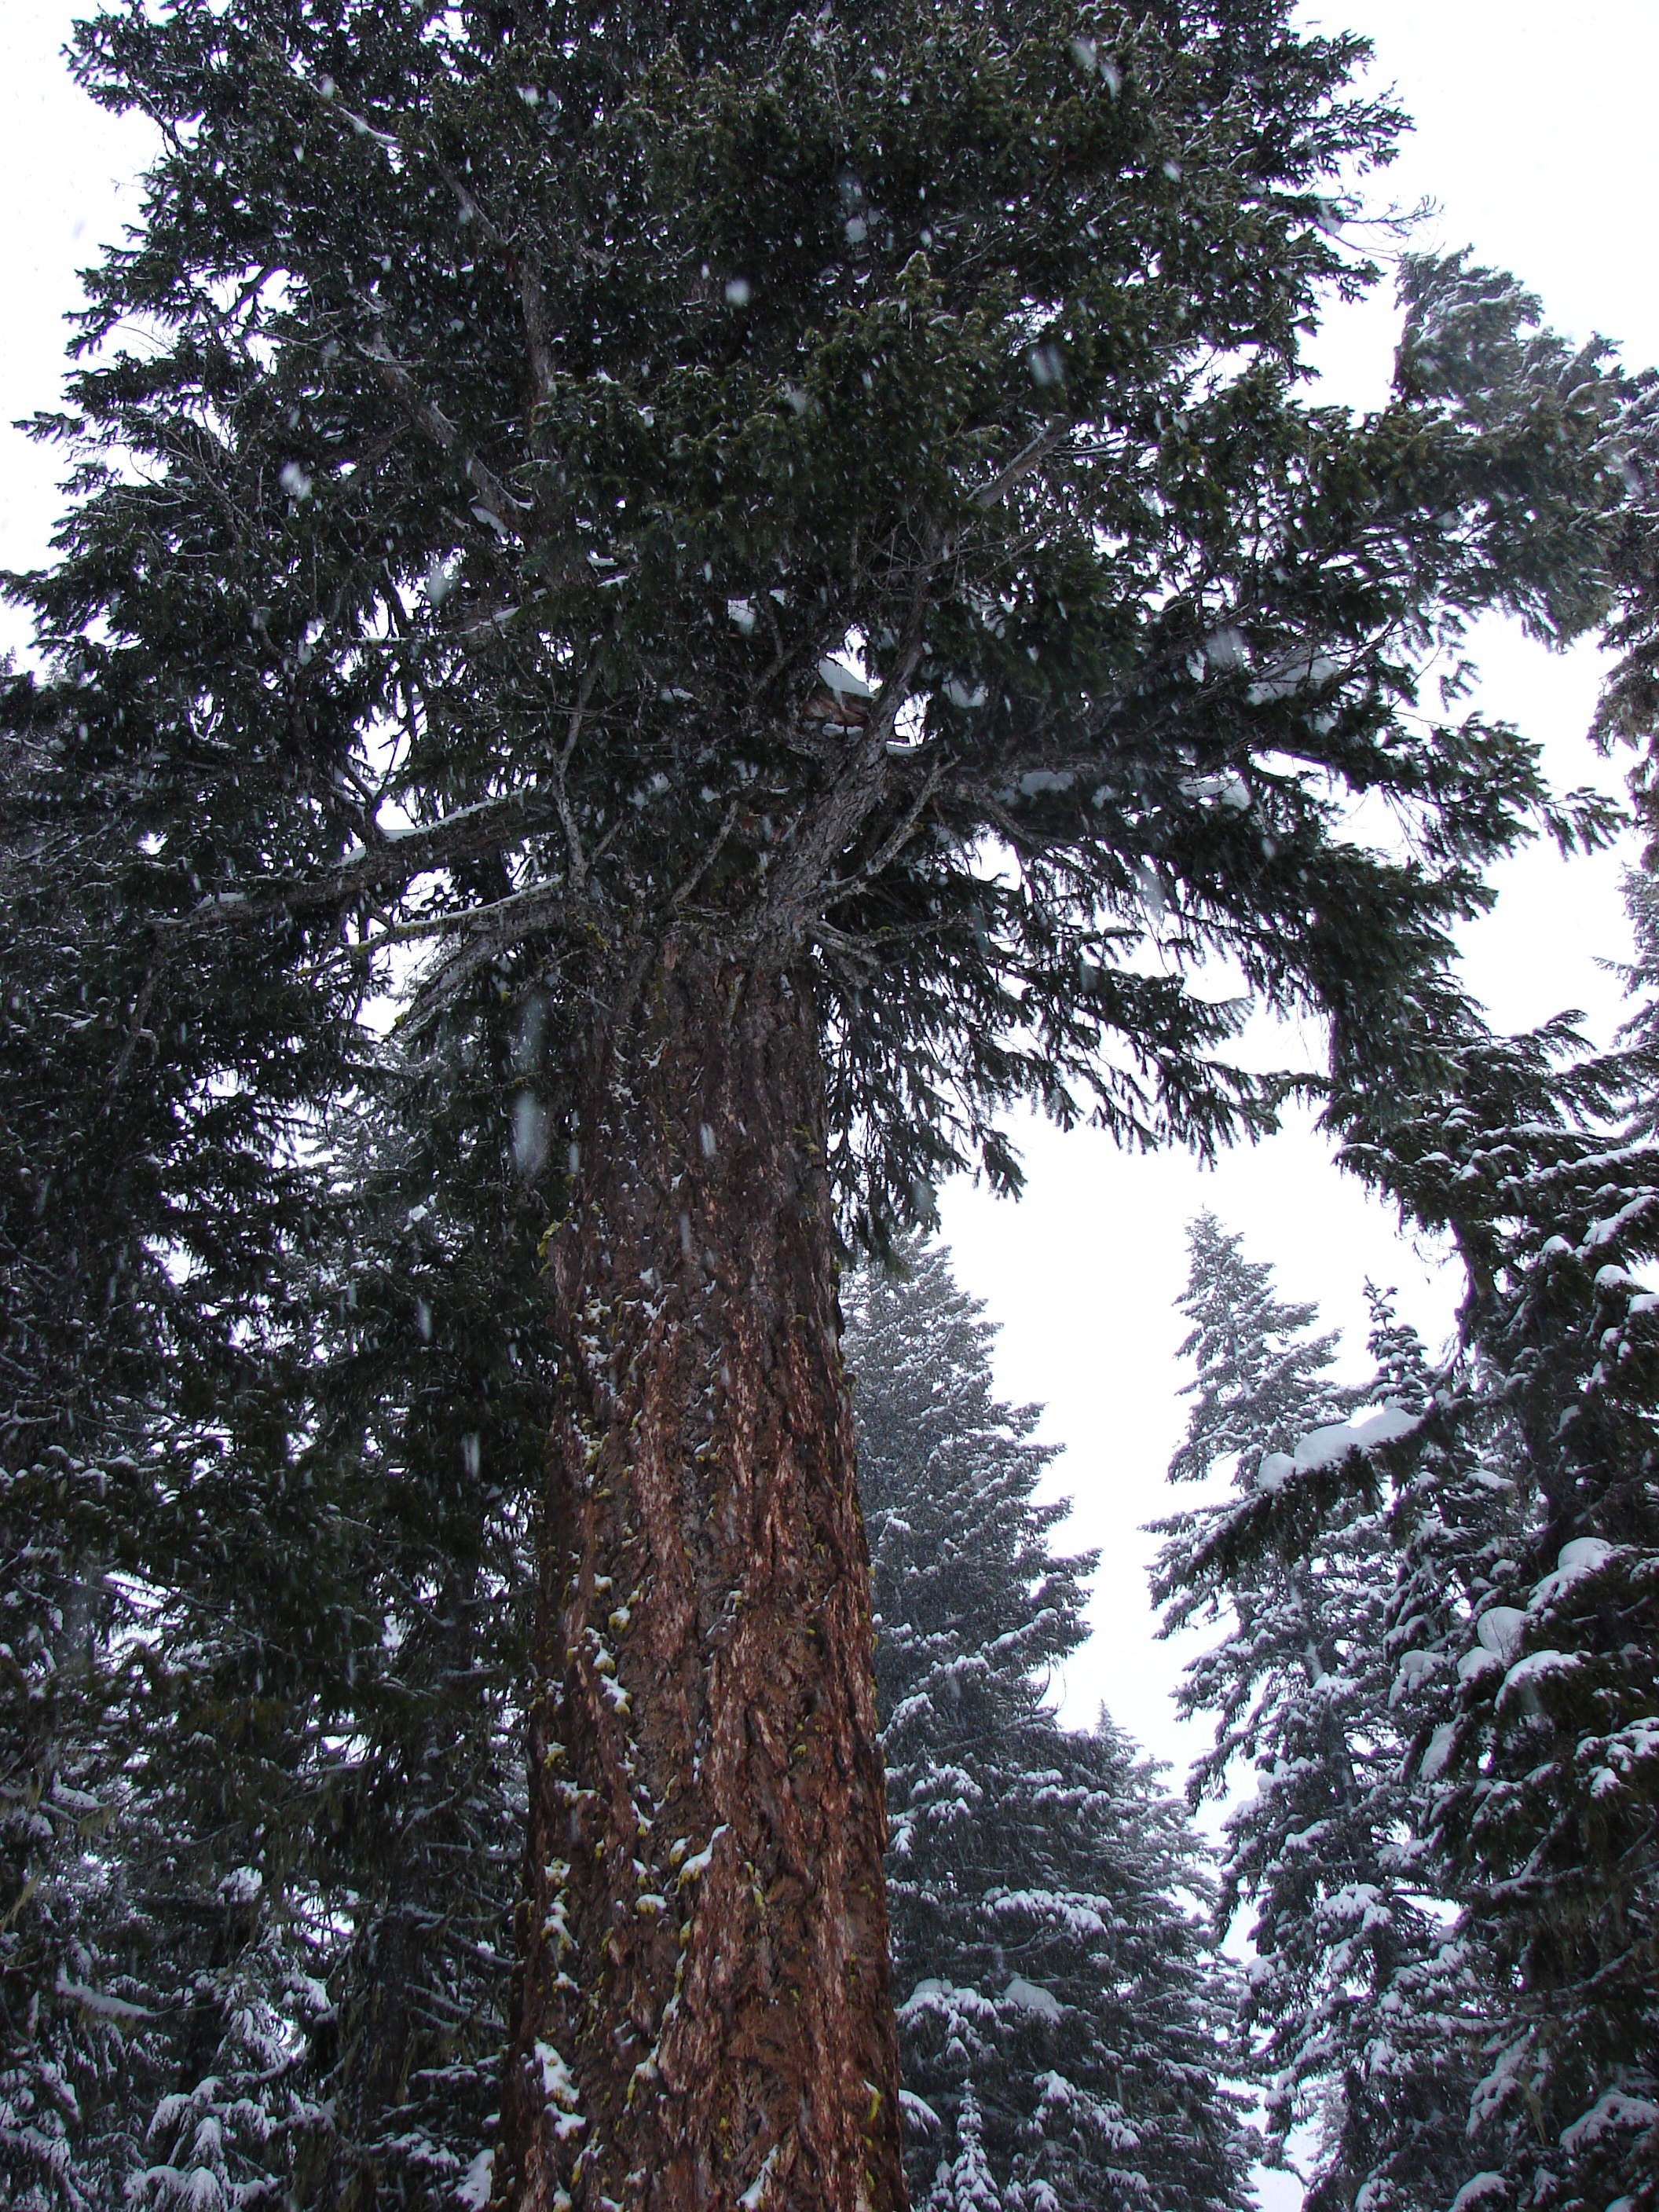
1360,2015
1061,2017
1538,1704
528,410
1499,1676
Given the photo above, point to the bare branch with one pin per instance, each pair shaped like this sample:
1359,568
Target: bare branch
501,923
827,829
567,816
1029,457
710,855
894,845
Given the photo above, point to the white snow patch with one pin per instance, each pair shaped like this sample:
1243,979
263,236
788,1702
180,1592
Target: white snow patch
1031,1997
1480,2190
1584,1555
843,681
699,1862
1325,1447
559,2091
1615,2110
1499,1630
101,2007
1297,671
1438,1751
1527,1672
751,2196
473,2188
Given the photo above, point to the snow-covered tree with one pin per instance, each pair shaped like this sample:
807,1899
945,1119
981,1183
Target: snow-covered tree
264,1624
1061,2013
1490,1536
495,439
1356,2011
1536,1679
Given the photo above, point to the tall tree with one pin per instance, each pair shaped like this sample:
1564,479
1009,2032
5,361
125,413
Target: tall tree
1537,1704
528,406
1496,1669
1361,2015
1062,2015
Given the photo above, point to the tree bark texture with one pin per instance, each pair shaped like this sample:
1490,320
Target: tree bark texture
701,2015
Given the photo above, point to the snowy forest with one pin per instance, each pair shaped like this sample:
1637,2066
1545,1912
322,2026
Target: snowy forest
662,620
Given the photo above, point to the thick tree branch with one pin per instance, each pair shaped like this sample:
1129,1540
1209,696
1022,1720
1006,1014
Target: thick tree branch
1029,457
462,835
825,832
495,502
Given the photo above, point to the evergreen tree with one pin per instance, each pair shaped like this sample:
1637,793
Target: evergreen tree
526,410
264,1610
1061,2015
1494,1961
1350,1961
1538,1723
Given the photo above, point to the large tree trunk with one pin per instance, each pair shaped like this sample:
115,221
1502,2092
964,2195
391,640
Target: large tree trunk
702,2014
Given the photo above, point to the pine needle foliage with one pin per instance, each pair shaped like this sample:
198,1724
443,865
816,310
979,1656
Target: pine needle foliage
1491,1552
1356,2016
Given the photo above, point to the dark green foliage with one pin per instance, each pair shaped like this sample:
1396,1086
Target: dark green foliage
1545,1743
1060,2014
263,1597
535,411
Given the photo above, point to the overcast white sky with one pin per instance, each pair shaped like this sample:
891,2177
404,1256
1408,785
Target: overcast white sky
1536,137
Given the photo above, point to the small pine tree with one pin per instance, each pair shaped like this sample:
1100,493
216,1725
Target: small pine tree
965,2184
1061,2012
1351,1961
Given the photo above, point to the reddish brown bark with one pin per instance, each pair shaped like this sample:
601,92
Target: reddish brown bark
701,2015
